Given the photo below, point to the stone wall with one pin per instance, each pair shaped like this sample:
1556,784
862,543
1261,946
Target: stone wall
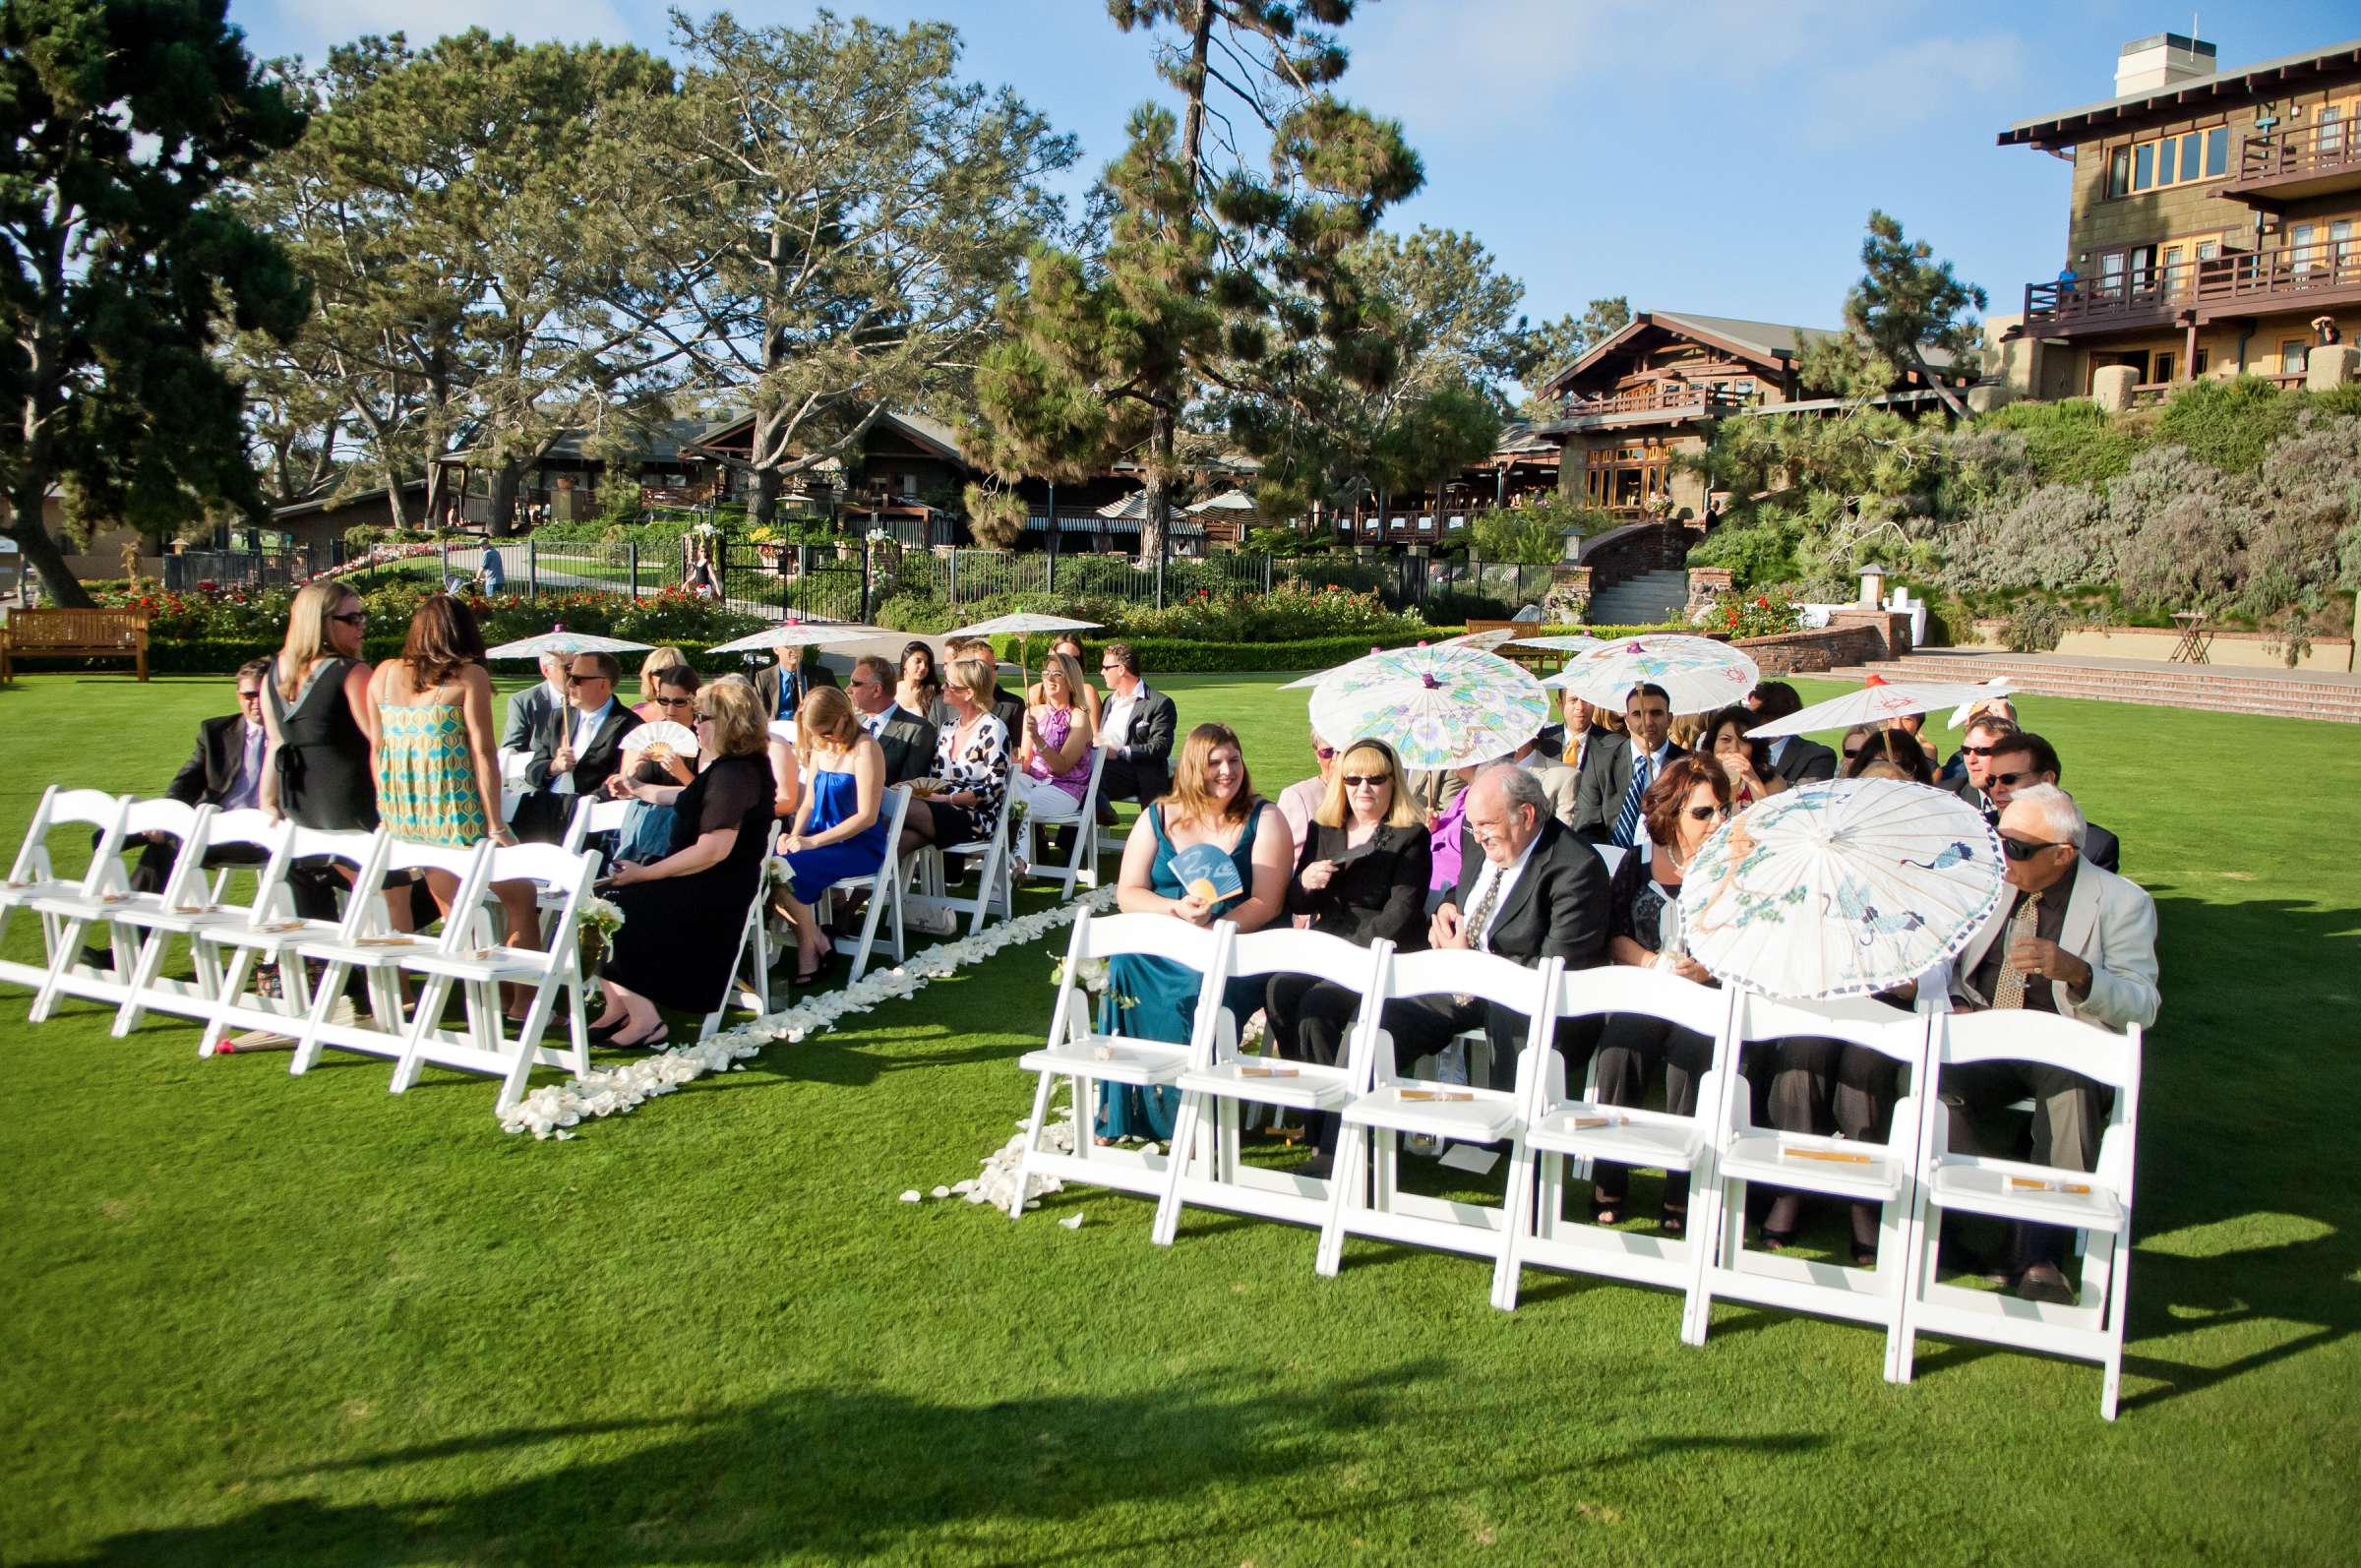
1812,652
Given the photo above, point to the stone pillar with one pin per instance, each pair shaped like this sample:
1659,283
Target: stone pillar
1984,398
1705,585
2111,388
1891,628
1568,602
2330,366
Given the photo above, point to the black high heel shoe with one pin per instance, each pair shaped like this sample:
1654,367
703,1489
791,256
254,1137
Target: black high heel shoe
603,1033
654,1039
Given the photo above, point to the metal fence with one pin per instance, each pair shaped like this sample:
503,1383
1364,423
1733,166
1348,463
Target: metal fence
265,568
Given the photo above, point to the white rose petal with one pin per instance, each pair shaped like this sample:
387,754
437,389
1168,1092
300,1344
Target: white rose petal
1072,1222
912,1196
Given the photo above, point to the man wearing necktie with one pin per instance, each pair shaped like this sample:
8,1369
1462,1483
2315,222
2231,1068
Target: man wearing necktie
225,770
2071,940
1616,770
577,753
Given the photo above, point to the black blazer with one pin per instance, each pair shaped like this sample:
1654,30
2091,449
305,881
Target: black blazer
2101,848
213,768
1380,893
1149,735
542,815
908,742
1010,711
1606,774
1803,762
1559,907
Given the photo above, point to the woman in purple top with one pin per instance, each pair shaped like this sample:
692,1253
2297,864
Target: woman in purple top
1055,757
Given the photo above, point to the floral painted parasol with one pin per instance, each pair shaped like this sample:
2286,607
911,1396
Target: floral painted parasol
1699,674
1839,889
1436,706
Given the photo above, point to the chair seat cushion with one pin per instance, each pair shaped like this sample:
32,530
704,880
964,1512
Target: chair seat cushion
1860,1170
1133,1062
1487,1116
1986,1189
1670,1145
1312,1088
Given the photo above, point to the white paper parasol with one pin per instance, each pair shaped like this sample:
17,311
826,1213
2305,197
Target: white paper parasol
1699,674
1021,626
1874,704
1436,707
1839,889
556,640
802,635
1300,682
1569,642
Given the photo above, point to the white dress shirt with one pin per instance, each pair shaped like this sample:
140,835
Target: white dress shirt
585,730
1481,940
1114,719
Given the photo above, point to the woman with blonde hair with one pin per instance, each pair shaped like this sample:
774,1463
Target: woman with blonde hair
961,799
1212,803
1067,644
651,706
683,913
1055,757
840,828
322,730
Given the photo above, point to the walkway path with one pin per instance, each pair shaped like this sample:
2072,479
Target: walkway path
2328,695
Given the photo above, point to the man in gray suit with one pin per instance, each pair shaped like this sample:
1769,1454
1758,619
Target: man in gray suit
1792,757
1607,804
907,739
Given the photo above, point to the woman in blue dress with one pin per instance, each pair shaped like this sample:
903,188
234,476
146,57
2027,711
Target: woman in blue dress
1212,802
840,825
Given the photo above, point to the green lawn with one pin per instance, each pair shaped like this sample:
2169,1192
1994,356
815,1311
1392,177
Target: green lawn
256,1319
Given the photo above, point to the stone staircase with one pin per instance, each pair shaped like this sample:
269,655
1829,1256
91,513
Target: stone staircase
2218,688
1647,599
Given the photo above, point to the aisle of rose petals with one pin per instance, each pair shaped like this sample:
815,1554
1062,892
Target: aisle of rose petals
550,1112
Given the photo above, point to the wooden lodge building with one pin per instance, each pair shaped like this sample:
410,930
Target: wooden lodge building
2214,225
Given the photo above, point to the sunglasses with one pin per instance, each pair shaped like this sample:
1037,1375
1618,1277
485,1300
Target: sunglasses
1851,752
2024,848
1367,781
676,701
1706,813
1978,750
250,696
1324,752
353,618
2012,780
583,680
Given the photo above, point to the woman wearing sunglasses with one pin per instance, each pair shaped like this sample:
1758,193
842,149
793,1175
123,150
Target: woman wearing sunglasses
1688,801
1300,801
1361,873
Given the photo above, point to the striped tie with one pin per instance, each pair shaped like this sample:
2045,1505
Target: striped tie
1627,821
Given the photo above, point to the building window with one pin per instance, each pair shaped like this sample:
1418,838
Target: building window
2200,362
2178,160
2294,354
2162,371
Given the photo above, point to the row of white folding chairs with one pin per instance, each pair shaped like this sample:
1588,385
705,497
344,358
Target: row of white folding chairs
1913,1175
231,944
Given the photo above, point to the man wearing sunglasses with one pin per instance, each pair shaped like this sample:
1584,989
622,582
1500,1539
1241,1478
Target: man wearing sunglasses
225,770
2025,759
1973,785
907,739
576,751
2068,938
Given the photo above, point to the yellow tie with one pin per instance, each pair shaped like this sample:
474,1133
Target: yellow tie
2009,990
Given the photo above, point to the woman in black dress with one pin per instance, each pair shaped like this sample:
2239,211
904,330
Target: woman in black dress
682,915
1361,873
322,730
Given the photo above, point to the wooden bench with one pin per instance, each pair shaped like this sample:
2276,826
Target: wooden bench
74,633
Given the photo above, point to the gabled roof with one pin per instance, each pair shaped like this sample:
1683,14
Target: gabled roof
1768,345
2271,79
931,436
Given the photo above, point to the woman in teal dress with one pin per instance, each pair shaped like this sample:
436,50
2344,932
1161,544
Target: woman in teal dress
1212,802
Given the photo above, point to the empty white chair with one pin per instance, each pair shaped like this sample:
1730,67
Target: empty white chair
2097,1203
104,894
1079,1051
1228,1078
884,887
1560,1129
1081,865
33,875
1386,1107
1884,1173
750,971
370,942
486,1047
272,932
187,910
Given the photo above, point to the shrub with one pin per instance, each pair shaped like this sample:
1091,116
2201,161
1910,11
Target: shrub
1756,553
1769,614
2070,443
2228,424
2035,625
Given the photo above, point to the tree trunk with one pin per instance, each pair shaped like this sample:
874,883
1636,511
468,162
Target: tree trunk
505,481
40,548
765,505
1951,400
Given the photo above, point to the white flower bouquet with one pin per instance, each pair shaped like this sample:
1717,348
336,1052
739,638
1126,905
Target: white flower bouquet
595,925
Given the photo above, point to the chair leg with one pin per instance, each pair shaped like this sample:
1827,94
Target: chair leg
1343,1184
63,956
869,931
232,987
1178,1159
143,975
427,1017
307,1038
1516,1217
1040,1110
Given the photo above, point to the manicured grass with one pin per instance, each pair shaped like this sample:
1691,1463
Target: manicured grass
257,1319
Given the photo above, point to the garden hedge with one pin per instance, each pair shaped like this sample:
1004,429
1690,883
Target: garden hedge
1179,656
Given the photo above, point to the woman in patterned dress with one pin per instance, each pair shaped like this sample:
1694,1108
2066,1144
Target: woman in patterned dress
438,767
961,800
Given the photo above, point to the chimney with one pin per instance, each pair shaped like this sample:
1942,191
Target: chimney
2157,61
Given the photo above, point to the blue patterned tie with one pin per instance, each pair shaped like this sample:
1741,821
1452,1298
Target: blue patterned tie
1627,821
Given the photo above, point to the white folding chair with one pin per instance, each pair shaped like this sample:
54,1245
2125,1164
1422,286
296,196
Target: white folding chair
1385,1107
272,932
1082,867
188,909
750,971
995,882
1560,1129
33,875
104,895
591,816
1884,1173
370,942
1087,1057
882,885
2097,1203
485,1045
1228,1078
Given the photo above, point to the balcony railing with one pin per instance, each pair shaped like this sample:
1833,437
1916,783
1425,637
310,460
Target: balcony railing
2243,282
1661,399
2310,152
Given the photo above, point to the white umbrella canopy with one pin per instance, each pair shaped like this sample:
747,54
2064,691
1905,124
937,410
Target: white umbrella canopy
560,641
1874,704
1436,706
1300,682
1698,674
1842,888
1487,641
1021,626
801,635
1565,642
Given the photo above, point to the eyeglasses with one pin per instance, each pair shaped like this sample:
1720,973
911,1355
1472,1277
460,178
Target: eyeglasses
581,680
1367,781
704,715
1324,752
1706,813
2024,848
863,679
676,701
1978,750
353,618
1851,752
245,695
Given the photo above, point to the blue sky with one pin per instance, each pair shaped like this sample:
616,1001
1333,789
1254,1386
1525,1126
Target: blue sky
1707,156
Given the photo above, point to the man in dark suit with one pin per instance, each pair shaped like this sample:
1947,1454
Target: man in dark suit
907,739
1985,733
1137,726
528,716
576,751
225,770
1528,890
1792,757
782,685
2024,759
1616,770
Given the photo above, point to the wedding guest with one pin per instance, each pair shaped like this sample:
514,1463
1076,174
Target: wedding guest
1136,727
840,828
646,831
919,689
323,729
648,707
782,685
1212,802
1006,706
1747,761
225,770
904,735
1955,768
1681,810
1688,730
671,695
576,754
1894,749
1856,741
1985,731
1794,757
2025,759
1300,802
2068,938
683,915
1361,869
529,713
1913,725
961,804
1616,777
1070,644
1054,756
